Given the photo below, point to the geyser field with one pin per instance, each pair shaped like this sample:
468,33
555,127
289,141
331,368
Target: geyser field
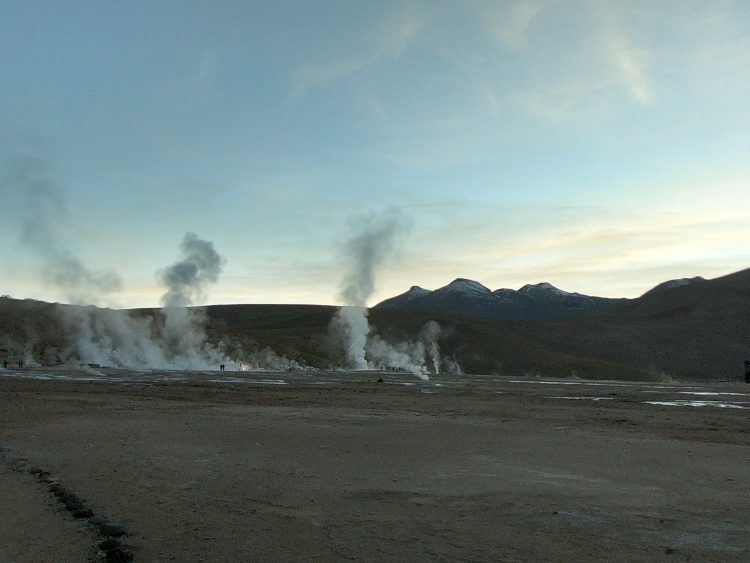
333,433
328,466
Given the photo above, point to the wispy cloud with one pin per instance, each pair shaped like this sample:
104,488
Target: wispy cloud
509,21
631,68
389,42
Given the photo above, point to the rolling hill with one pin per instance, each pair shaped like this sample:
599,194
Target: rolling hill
694,329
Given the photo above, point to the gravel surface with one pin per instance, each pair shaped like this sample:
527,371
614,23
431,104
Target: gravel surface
327,467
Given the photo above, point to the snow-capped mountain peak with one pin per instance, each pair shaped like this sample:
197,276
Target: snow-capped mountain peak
543,288
681,281
467,297
506,294
415,292
466,287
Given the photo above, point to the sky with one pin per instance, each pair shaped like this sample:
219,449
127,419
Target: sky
601,146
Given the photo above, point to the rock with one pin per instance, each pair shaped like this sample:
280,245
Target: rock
73,505
55,486
111,530
45,476
119,554
109,543
20,464
72,502
60,492
83,513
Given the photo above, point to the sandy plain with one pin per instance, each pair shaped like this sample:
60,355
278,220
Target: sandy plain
338,466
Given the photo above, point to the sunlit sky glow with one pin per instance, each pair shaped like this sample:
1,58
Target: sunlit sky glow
601,146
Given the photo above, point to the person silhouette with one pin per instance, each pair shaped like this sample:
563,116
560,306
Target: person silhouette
747,371
221,367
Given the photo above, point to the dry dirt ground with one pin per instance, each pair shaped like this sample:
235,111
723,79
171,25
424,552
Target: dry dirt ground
330,467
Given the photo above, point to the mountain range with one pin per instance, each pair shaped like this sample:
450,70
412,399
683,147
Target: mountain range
685,329
467,297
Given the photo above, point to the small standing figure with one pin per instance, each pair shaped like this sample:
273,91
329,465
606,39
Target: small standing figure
5,363
747,371
20,363
221,367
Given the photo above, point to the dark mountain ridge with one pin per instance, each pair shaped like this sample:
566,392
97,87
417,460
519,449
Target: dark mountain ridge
695,330
467,297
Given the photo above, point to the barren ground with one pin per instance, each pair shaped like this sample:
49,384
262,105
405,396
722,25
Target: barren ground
328,467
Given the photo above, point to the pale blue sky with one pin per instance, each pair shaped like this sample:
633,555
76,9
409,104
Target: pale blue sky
601,146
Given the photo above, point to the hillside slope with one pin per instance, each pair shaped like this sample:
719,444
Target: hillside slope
690,330
699,329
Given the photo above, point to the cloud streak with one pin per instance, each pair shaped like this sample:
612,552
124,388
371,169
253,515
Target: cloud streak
631,67
390,43
509,21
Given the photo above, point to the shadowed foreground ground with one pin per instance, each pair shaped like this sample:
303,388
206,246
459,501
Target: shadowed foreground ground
338,466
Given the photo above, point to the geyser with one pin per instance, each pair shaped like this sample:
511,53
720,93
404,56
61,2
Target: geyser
373,240
175,338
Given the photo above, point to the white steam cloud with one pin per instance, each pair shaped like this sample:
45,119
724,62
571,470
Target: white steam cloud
44,221
175,338
268,360
187,279
372,242
420,358
183,334
429,336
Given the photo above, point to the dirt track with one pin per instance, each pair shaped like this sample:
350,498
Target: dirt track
339,466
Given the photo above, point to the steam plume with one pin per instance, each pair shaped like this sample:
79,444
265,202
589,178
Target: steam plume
44,222
429,336
186,280
174,339
420,358
372,242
